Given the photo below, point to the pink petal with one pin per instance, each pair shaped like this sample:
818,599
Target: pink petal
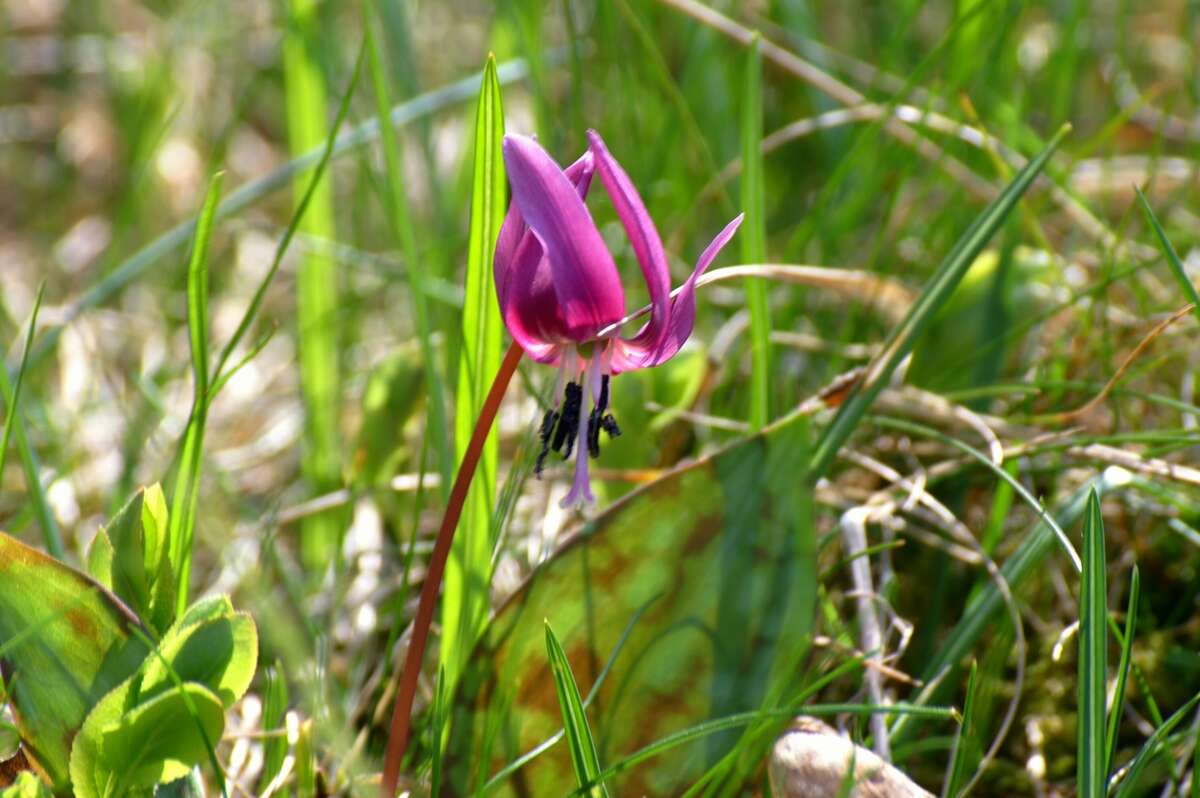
514,230
581,273
644,238
628,355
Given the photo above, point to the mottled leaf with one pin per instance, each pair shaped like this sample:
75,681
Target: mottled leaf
64,642
720,555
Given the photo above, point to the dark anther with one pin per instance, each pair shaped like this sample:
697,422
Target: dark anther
609,425
547,429
593,441
568,422
602,405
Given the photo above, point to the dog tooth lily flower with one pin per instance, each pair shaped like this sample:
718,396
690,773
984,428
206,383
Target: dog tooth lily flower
561,296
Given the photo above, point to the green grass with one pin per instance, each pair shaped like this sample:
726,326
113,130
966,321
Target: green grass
245,346
318,283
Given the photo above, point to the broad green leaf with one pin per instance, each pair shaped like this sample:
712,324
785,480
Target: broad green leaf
1093,657
584,758
100,559
466,592
125,745
65,642
717,550
219,652
130,555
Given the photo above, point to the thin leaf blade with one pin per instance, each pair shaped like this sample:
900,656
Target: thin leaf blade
1092,665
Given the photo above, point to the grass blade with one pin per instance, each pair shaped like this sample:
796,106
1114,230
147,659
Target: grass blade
1092,666
402,230
14,403
579,736
1118,704
718,725
967,744
466,591
275,704
182,518
12,422
937,291
440,714
1185,282
316,286
1152,747
754,239
1021,565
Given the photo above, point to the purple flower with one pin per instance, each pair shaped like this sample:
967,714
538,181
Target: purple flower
561,296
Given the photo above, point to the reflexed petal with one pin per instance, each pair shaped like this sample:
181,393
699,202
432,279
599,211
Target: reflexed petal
644,238
628,355
580,271
514,231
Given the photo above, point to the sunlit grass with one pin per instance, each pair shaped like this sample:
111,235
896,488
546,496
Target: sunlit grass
246,348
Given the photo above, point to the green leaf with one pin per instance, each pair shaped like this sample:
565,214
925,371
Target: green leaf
720,549
584,758
404,233
130,557
1022,564
100,559
466,591
14,401
936,292
219,652
393,389
65,641
1093,651
182,522
1152,748
317,282
306,767
967,744
126,746
26,785
754,238
1181,275
13,424
439,716
275,704
1118,703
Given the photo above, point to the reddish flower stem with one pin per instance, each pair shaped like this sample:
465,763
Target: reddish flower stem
402,712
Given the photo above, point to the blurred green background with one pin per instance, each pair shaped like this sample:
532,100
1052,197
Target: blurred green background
114,114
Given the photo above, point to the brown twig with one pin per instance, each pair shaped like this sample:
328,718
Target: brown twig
402,712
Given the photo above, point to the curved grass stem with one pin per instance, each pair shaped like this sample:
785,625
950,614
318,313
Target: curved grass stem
402,711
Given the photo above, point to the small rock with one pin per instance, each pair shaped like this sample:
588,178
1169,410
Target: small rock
810,760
